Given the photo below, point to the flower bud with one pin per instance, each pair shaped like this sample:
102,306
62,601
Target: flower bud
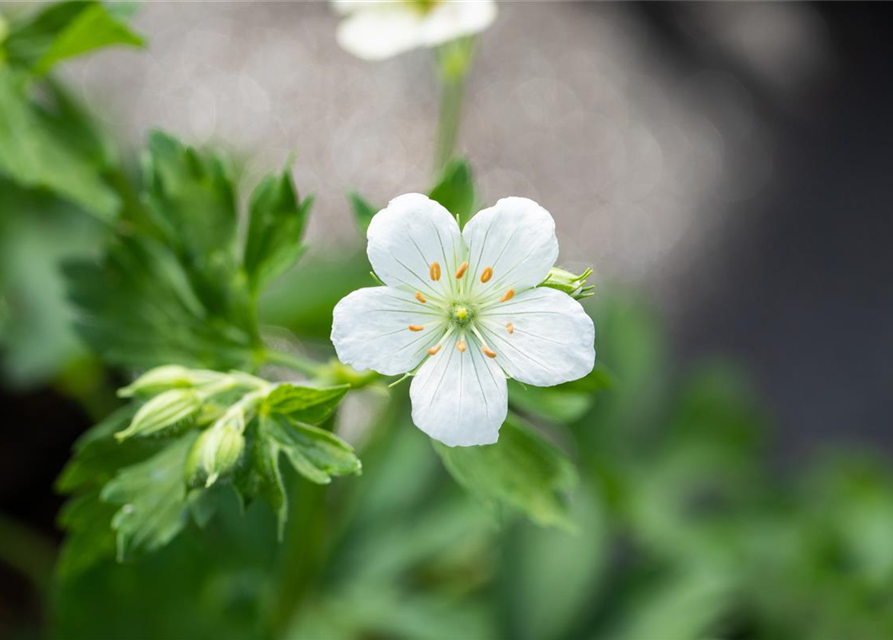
569,283
167,377
216,453
163,412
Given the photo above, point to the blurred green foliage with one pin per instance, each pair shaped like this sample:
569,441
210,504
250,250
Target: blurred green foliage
666,520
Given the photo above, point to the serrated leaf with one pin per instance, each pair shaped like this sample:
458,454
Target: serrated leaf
455,190
32,155
522,471
163,413
276,223
89,535
314,453
310,405
192,201
151,497
362,210
138,308
93,28
261,477
98,456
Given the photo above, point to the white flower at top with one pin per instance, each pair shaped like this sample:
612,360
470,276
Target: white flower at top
375,30
466,307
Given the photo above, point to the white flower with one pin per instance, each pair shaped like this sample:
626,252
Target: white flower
375,30
466,307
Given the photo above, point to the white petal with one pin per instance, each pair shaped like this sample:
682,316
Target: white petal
379,30
370,330
515,238
460,399
407,237
450,20
553,340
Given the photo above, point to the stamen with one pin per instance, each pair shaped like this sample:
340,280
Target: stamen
462,269
509,327
420,297
487,350
487,274
508,295
435,271
416,327
461,346
433,350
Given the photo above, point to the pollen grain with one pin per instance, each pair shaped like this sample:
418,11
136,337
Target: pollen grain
461,270
435,271
508,295
420,297
461,346
416,327
433,350
509,327
487,274
488,351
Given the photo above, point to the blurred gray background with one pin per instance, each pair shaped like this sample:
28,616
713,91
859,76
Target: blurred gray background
731,160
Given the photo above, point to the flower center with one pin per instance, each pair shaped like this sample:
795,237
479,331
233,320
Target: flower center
461,315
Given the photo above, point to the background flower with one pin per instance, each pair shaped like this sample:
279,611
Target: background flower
378,30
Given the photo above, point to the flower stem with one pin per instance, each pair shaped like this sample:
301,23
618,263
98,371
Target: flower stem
453,61
294,362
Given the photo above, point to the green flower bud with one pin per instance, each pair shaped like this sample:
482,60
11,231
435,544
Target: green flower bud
168,377
167,411
216,453
569,283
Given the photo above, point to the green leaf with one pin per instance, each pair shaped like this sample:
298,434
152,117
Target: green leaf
310,405
566,402
192,201
261,477
152,500
455,191
276,223
138,308
31,37
522,471
32,155
93,28
314,453
89,535
98,456
362,210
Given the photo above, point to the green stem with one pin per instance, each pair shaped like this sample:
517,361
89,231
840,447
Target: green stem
448,124
453,62
294,362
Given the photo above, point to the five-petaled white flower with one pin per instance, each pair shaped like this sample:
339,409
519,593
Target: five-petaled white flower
466,307
375,30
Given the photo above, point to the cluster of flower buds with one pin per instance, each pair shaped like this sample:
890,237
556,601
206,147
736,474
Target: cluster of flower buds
570,283
179,397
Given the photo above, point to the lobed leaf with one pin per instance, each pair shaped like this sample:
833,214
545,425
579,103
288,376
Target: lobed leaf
32,155
522,471
309,405
151,497
276,222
